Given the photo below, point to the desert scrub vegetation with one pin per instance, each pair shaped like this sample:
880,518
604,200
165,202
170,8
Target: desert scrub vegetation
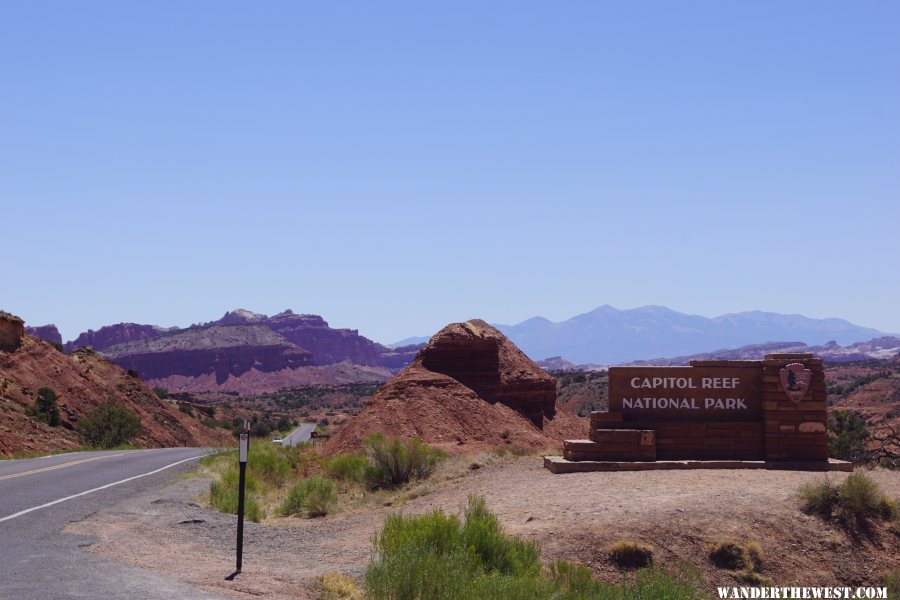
45,408
315,497
386,463
109,425
269,470
745,559
631,555
223,495
854,503
447,557
393,462
296,481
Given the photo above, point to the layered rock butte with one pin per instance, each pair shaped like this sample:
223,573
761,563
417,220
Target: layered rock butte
82,380
470,388
46,332
246,352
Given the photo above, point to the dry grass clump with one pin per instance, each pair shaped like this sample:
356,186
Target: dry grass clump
728,555
629,554
337,586
746,559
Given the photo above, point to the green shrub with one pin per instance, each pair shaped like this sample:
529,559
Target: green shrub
109,425
441,557
161,393
631,555
314,496
496,551
223,495
349,466
186,408
848,438
45,408
393,462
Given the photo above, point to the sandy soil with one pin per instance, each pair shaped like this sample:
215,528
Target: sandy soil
574,516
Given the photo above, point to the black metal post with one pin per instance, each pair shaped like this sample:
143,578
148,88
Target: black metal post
243,452
240,529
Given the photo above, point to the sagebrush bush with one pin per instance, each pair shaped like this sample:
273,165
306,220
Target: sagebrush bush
223,495
441,557
630,555
109,425
315,496
393,462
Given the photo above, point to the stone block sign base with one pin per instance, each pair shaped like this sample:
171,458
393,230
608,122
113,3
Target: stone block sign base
558,464
767,414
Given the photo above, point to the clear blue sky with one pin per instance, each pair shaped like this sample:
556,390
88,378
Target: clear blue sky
397,166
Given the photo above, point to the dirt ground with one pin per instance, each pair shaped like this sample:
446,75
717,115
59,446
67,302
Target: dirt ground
574,516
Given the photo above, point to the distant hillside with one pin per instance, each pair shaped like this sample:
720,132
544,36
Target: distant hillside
247,353
882,348
608,335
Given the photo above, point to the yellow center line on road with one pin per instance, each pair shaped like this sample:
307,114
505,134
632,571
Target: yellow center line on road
60,466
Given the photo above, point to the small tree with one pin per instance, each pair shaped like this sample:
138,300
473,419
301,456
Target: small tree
45,408
109,425
849,435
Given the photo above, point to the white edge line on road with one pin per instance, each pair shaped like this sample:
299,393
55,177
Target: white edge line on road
96,489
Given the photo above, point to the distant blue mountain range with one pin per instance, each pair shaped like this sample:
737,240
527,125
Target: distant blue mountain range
607,335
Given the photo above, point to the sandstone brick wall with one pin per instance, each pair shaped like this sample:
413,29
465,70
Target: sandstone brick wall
619,444
794,431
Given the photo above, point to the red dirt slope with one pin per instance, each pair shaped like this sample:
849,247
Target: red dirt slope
83,380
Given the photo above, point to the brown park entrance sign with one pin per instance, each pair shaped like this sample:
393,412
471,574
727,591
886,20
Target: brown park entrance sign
694,394
727,414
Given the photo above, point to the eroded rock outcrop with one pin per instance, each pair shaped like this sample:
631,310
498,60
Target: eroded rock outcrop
12,330
112,335
328,345
468,388
48,333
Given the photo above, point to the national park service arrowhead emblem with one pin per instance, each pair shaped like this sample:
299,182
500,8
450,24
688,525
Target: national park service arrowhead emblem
795,380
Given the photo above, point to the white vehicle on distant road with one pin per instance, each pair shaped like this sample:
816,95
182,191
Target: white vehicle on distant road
278,441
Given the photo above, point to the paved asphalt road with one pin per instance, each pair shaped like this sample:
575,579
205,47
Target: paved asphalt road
299,435
39,562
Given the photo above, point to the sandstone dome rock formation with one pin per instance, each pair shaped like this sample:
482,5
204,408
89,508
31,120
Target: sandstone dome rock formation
469,388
